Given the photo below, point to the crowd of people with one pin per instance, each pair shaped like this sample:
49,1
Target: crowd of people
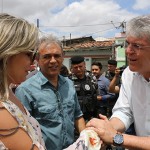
53,108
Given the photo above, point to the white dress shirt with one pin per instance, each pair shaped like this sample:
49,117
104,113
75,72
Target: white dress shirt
133,104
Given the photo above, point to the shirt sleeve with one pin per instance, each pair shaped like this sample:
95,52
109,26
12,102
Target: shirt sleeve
78,112
103,87
122,108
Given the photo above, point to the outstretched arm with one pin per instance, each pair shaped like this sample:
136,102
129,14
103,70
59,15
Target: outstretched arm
80,124
107,129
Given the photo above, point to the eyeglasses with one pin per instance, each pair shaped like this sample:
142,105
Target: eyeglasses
31,54
135,46
34,55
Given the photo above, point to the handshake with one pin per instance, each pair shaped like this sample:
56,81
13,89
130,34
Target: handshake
88,140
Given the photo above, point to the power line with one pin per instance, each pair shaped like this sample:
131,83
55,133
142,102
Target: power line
47,33
122,25
99,31
77,25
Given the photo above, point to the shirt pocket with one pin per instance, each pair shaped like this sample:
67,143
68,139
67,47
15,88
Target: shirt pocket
47,112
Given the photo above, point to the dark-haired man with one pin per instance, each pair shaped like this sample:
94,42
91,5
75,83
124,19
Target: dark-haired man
110,74
103,83
111,66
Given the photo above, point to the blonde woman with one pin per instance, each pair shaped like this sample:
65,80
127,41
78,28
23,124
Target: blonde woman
18,130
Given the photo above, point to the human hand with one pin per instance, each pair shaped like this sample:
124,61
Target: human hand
103,128
99,97
88,139
117,72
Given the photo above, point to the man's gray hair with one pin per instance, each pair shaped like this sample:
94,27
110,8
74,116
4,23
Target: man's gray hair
139,27
46,40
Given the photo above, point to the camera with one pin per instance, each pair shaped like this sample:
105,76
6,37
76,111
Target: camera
122,69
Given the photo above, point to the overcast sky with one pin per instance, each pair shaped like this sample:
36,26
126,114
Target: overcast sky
97,18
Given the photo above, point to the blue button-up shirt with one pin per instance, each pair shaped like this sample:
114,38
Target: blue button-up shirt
55,109
103,85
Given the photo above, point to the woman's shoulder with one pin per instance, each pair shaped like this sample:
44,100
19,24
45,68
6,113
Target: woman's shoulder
7,120
15,125
8,124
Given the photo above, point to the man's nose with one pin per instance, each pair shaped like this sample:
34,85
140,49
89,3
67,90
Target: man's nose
52,59
78,68
129,50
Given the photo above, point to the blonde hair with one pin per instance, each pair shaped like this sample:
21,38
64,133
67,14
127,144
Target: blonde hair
16,36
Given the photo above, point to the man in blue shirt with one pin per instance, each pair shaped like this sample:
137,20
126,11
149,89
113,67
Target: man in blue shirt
51,98
103,83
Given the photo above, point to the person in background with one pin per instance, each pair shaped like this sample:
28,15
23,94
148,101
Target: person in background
112,65
51,98
110,73
64,71
113,87
34,68
103,84
104,96
133,104
18,130
86,87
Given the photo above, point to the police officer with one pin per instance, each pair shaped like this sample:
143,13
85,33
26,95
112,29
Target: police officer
86,87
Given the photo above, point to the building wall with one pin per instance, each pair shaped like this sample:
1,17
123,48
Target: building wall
120,51
88,62
91,55
120,56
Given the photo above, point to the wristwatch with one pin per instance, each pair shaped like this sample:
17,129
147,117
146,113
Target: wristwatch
118,139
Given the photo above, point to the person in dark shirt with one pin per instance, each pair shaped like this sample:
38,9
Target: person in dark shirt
86,87
110,74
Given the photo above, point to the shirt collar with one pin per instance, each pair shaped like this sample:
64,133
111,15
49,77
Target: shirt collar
44,80
139,75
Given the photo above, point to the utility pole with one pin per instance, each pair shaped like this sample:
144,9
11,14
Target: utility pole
70,38
2,7
123,32
37,23
114,46
123,26
64,41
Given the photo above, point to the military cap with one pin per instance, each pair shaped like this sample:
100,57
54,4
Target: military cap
77,59
112,62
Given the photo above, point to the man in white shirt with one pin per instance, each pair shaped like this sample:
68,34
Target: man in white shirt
133,104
